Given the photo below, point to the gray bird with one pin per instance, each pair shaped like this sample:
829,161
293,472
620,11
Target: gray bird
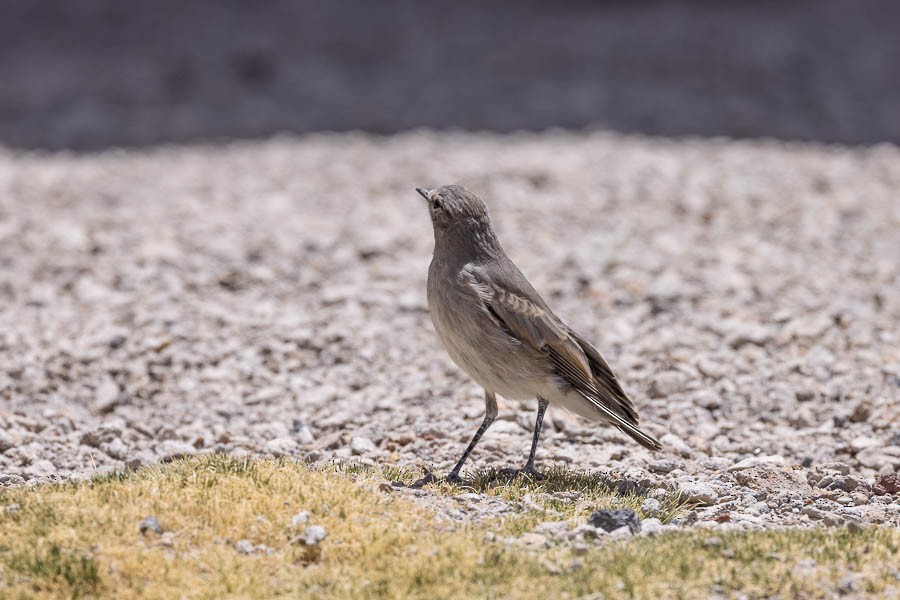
499,330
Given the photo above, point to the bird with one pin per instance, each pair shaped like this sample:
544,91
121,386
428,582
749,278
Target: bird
499,330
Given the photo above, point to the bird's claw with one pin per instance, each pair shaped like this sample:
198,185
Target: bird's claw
532,473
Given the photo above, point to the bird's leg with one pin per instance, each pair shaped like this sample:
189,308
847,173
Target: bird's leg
490,413
529,466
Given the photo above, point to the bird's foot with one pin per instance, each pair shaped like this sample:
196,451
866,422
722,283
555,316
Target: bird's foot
532,473
454,479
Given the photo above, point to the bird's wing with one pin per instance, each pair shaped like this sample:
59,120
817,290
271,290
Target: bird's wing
605,379
576,361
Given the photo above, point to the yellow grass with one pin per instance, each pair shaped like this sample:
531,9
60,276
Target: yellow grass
82,540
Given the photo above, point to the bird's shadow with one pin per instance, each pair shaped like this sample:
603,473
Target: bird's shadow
555,479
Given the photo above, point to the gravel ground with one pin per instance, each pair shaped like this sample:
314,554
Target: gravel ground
269,298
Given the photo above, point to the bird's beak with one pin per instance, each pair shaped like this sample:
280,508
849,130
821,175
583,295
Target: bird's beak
423,192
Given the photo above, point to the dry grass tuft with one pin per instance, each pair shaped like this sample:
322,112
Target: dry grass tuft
82,540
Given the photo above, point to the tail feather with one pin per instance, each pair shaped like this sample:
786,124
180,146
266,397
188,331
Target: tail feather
632,430
642,437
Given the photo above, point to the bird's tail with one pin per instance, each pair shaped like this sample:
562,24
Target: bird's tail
640,436
594,409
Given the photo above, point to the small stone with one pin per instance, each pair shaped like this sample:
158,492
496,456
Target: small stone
660,493
7,441
470,497
711,369
609,519
819,357
584,531
313,535
879,457
859,498
666,383
863,442
846,484
281,446
650,507
707,398
756,461
712,542
804,395
150,524
801,418
245,547
92,438
861,412
749,334
553,529
264,396
13,507
11,479
811,326
167,539
580,549
664,466
847,584
302,433
886,483
813,513
676,444
106,397
116,448
651,527
299,519
621,533
842,468
699,493
362,445
42,467
832,520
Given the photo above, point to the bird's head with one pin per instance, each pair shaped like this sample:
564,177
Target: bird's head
453,206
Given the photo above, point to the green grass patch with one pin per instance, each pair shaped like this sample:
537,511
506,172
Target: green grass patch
82,540
52,567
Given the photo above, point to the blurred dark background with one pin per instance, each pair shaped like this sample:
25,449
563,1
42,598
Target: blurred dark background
95,73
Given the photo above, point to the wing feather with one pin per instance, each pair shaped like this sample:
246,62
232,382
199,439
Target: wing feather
575,360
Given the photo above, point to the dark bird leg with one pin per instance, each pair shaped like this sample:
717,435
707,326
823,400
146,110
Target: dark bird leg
529,466
528,470
490,413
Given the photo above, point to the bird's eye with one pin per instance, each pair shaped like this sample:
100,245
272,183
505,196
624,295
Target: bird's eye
437,204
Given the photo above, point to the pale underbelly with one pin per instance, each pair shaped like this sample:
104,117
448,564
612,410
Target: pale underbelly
502,366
